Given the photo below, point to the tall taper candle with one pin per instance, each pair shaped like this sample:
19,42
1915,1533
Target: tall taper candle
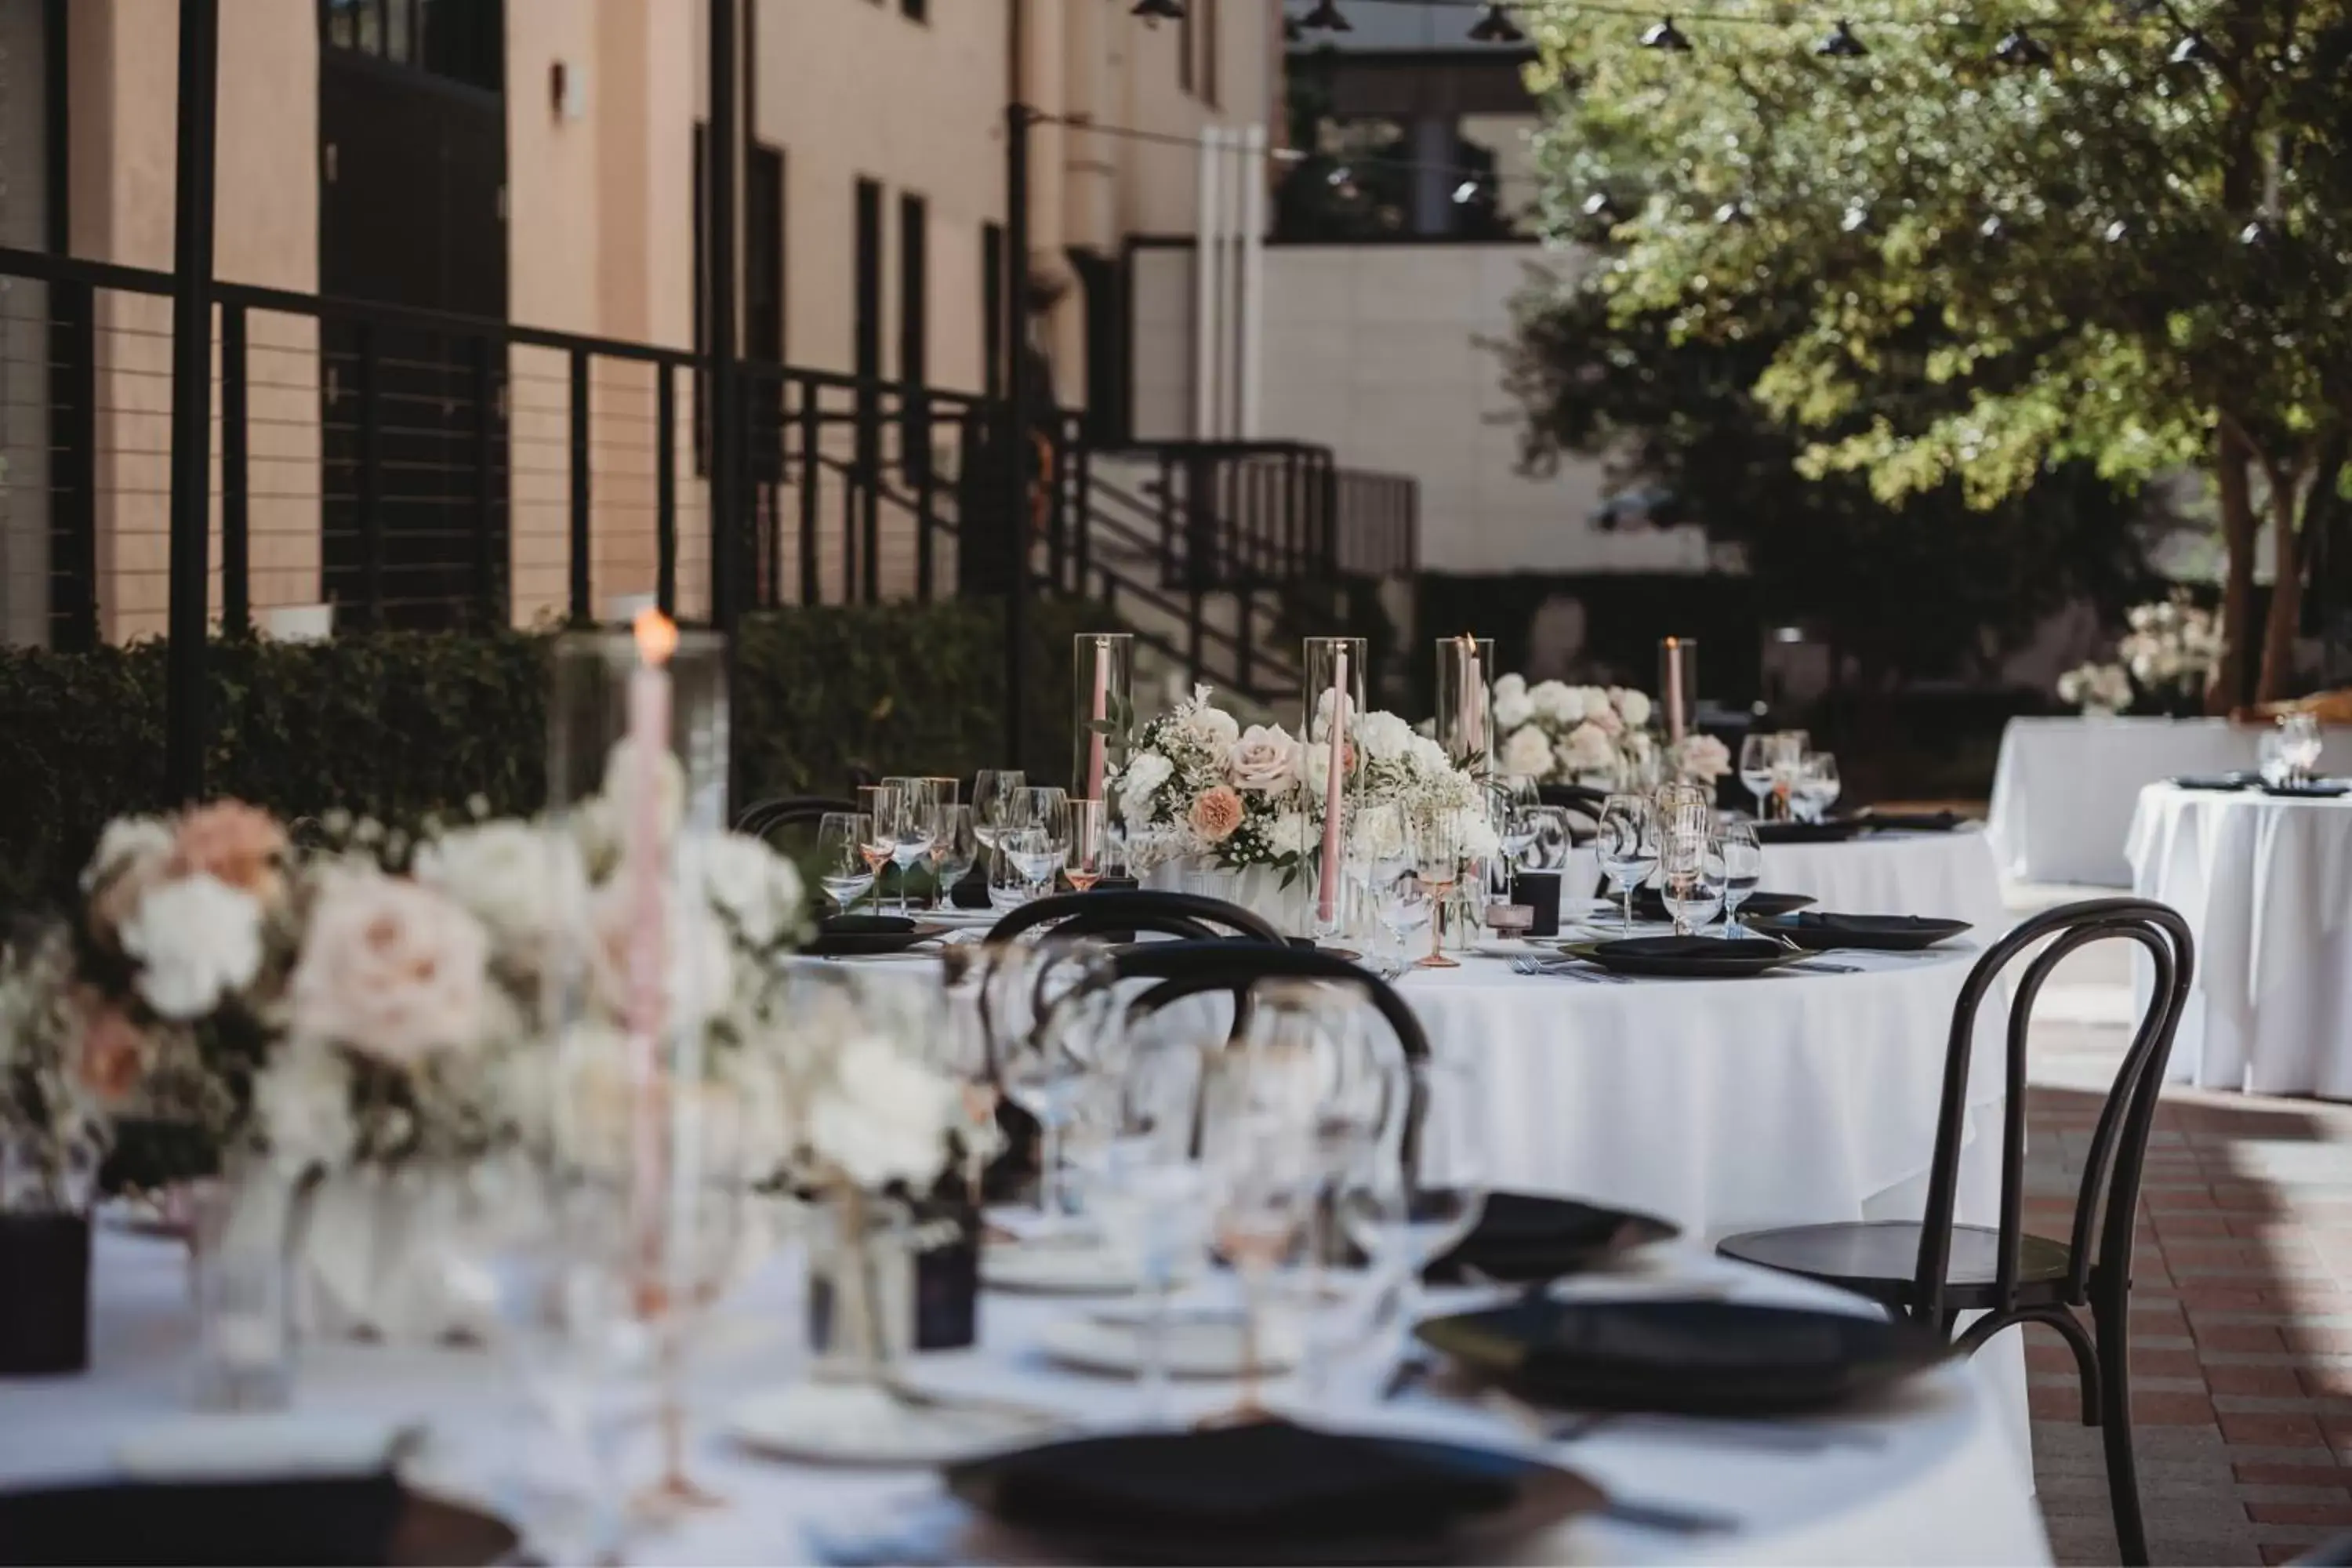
1326,895
1674,719
648,737
1101,711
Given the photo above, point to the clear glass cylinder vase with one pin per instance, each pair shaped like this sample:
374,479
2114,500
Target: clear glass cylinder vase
1102,709
606,683
1465,704
1332,702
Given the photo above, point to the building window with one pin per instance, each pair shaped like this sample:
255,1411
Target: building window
456,40
913,289
992,309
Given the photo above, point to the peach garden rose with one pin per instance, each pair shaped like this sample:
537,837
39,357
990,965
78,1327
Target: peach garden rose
1215,814
391,969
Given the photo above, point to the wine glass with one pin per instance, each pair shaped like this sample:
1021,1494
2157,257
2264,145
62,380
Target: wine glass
1743,871
1785,754
1515,795
1400,904
955,849
993,790
843,868
1755,767
1437,857
1420,1196
1048,1007
950,792
1817,784
1627,845
2300,745
912,828
1090,843
1700,899
879,804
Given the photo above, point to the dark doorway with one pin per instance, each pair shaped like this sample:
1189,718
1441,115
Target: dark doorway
412,211
1103,285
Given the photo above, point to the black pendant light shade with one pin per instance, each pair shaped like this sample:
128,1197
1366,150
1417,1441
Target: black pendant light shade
2019,47
1497,27
1664,35
1327,17
1840,43
1158,10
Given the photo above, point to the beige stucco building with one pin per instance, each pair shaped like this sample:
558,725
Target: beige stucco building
879,134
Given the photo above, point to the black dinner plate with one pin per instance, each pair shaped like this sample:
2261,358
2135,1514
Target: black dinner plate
1818,930
1270,1491
1525,1237
1836,830
1650,904
2317,789
312,1520
851,936
2215,781
1683,957
1688,1357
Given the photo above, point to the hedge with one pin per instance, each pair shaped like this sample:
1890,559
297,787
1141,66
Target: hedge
397,725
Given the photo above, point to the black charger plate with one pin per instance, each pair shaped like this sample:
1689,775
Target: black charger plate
851,936
1688,1357
2317,789
1684,957
1269,1492
1819,931
1525,1237
314,1519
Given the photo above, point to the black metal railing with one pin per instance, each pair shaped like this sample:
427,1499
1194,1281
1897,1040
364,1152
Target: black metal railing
420,469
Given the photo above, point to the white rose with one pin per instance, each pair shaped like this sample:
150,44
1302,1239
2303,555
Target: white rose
1384,736
390,968
1212,727
1265,761
1293,833
753,887
127,841
302,1104
1527,752
521,882
880,1117
1146,773
196,941
1514,709
700,979
1633,706
1427,758
1558,702
1587,750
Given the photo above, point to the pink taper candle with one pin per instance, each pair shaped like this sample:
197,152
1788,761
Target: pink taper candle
1675,692
1101,711
1326,895
647,747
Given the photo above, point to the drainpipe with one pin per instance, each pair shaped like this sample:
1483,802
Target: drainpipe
1204,288
1253,287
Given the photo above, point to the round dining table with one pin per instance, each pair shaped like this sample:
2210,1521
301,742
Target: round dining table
1920,1475
2266,883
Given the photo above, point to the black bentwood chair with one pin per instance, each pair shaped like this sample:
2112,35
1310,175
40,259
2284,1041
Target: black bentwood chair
1581,802
767,817
1933,1271
1193,968
1122,911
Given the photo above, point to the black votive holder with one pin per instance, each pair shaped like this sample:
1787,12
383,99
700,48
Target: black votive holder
1539,891
44,1294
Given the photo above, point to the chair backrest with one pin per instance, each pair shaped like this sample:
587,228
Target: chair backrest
1189,916
767,817
2108,1201
1193,968
1581,802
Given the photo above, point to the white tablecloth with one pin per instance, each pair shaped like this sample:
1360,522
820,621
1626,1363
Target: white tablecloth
2265,884
1952,875
1931,1481
2064,790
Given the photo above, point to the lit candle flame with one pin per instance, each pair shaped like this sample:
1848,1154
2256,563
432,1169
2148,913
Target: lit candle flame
657,636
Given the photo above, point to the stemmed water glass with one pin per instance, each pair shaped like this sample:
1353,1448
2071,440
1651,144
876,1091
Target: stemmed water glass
1090,843
913,827
1755,767
1743,871
844,869
2300,744
954,849
1017,850
1516,796
993,790
1401,903
879,804
1785,756
1685,829
1048,1007
1627,844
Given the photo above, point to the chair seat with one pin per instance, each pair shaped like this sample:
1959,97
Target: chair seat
1880,1259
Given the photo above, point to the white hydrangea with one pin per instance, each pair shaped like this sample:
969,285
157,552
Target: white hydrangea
196,941
756,889
522,882
127,841
1587,750
1633,706
1384,736
1527,752
1146,772
1556,702
880,1117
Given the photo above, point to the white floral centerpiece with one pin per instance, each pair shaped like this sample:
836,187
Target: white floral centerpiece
2162,664
1599,735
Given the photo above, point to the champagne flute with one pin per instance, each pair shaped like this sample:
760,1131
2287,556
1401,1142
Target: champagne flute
993,790
843,869
1743,870
1627,844
1088,827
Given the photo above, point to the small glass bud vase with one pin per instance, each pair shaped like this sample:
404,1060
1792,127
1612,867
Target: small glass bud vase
1102,697
1465,704
1331,702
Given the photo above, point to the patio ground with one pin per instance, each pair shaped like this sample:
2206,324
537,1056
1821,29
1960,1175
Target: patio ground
2242,1304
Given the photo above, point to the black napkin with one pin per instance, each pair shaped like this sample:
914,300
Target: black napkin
1836,830
971,891
2213,781
864,925
333,1520
1701,948
1915,821
1267,1480
2315,789
1525,1236
1861,925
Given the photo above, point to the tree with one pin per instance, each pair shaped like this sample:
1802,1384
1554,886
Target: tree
1978,253
1920,587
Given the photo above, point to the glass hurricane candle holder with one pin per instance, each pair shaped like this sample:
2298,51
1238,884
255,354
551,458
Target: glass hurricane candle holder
589,714
1465,704
1102,697
1332,701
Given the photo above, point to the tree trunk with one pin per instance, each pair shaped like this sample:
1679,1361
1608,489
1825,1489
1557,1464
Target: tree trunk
2228,687
2286,595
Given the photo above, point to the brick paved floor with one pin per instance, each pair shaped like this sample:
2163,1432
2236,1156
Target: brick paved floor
2242,1308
